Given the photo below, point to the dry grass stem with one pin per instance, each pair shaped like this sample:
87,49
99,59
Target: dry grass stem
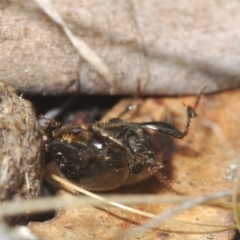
84,50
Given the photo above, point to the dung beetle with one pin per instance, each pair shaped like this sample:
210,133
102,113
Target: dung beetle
102,156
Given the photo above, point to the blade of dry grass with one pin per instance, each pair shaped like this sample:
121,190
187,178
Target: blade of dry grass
84,50
174,211
53,203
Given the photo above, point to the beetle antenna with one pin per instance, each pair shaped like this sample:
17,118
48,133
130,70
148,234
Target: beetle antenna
191,111
199,97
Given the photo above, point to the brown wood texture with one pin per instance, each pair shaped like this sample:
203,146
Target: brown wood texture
151,47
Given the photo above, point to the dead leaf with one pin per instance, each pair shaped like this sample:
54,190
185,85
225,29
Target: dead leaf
143,47
198,166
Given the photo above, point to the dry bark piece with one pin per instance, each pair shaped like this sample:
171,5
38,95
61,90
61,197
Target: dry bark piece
151,47
20,161
198,167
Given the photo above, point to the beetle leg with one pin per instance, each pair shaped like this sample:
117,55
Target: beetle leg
155,170
170,129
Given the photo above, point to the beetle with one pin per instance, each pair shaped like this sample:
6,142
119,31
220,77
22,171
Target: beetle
102,156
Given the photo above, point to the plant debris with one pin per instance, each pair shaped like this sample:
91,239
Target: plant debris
21,168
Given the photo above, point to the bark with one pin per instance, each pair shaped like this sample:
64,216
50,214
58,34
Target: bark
21,167
150,47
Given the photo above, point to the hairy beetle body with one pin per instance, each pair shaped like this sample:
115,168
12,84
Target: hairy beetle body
102,156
